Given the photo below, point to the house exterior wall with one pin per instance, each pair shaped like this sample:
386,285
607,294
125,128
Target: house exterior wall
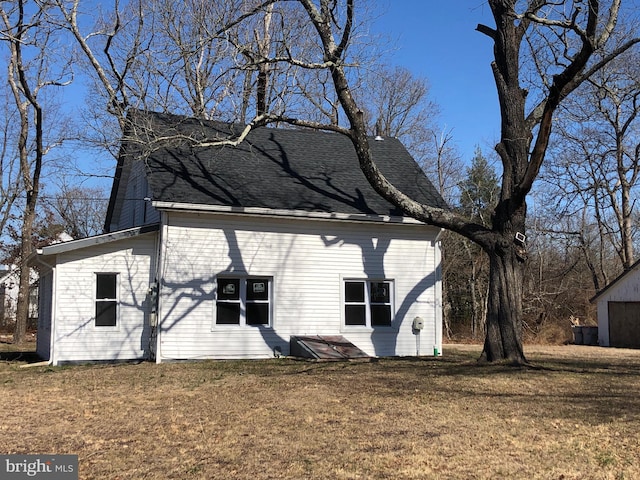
45,303
76,337
136,211
307,260
627,289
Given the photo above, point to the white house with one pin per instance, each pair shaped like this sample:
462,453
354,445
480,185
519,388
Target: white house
230,252
618,306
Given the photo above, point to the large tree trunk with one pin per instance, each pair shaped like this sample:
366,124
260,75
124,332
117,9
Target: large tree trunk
503,339
22,304
29,110
26,246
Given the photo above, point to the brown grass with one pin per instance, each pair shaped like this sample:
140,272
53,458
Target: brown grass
576,418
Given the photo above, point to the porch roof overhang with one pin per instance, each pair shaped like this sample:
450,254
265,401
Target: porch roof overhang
63,247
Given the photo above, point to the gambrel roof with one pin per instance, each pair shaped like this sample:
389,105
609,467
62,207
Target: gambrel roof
274,168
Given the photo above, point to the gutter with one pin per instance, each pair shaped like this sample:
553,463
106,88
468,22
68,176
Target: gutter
280,213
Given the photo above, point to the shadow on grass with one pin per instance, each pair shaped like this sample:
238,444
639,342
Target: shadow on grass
20,356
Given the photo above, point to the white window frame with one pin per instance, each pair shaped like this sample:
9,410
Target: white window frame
242,301
115,300
367,303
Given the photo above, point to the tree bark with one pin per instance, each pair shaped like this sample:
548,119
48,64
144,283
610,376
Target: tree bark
22,306
503,340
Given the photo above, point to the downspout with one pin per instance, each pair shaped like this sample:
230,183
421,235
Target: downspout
158,281
437,292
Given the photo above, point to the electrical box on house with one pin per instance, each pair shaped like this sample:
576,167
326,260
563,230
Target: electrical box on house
153,298
418,323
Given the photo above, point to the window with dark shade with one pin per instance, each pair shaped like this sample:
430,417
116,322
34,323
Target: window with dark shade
243,301
368,303
380,315
257,314
355,315
106,300
228,313
354,292
228,289
228,302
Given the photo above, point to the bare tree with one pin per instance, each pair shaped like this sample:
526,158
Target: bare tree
446,166
598,153
28,74
80,211
11,185
110,66
566,37
216,59
467,275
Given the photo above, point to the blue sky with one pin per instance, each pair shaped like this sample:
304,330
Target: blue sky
438,40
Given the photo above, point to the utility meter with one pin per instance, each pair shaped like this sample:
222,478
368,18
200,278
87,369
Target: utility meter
418,323
153,297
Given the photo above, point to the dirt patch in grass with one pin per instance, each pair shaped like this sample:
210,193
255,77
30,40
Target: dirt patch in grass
577,417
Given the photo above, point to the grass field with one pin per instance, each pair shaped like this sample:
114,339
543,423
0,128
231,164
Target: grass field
577,417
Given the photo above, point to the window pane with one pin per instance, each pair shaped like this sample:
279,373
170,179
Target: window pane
228,289
227,313
257,314
106,313
380,292
380,315
355,315
257,289
105,285
354,292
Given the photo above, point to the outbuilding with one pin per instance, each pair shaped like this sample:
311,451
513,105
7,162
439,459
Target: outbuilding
618,306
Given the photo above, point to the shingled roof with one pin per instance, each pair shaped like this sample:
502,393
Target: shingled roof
275,168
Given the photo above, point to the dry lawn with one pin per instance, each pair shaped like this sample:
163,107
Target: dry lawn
578,417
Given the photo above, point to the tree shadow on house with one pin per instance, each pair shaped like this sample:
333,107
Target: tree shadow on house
71,333
282,176
373,253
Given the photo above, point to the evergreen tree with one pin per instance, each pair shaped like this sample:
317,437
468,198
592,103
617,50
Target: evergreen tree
467,275
479,191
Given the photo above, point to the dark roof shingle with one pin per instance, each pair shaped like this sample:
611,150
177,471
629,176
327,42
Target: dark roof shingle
281,169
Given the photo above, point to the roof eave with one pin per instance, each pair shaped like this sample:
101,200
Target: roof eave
63,247
615,281
271,212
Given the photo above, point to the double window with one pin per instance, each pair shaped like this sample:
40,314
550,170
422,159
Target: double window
368,303
106,299
243,301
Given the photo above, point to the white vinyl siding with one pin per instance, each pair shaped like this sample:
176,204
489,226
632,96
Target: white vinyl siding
76,337
136,208
308,261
